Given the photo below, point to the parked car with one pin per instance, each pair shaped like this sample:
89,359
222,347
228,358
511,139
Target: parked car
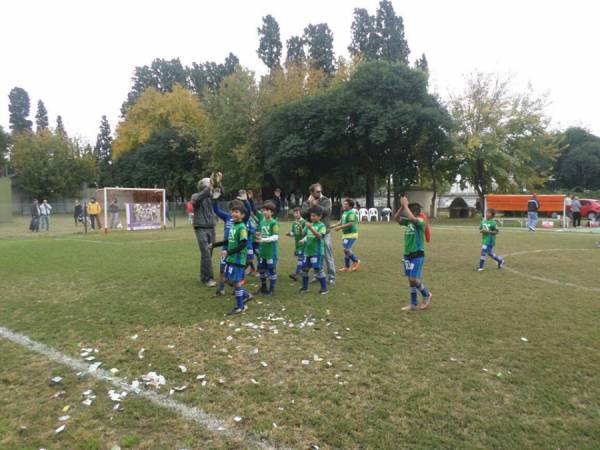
590,208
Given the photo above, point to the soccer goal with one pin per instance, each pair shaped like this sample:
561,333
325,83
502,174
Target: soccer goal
133,209
518,203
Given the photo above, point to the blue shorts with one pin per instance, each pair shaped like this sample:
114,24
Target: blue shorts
233,273
267,264
312,262
347,243
487,249
299,254
413,268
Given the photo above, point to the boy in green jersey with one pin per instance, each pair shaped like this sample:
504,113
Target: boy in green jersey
297,234
489,229
414,251
235,256
314,249
267,235
349,227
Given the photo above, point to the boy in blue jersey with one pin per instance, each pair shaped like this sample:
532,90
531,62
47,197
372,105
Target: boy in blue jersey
414,251
267,235
228,223
489,229
314,249
235,256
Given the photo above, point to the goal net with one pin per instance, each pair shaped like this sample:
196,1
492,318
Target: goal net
132,209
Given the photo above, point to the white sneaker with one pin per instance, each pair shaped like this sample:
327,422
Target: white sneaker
210,283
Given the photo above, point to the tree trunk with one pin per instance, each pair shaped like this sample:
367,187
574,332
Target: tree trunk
370,194
434,198
389,194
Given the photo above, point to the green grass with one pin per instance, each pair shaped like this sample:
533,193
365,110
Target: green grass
397,380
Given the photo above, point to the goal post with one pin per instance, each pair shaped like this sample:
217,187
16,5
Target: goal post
132,209
549,203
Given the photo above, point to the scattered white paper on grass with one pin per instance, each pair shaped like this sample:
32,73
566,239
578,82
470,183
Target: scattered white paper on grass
182,368
237,419
264,364
60,429
63,418
141,353
524,339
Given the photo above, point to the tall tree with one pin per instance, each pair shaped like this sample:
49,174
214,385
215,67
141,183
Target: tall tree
364,37
103,154
207,76
60,127
18,109
41,117
320,47
390,33
578,164
422,64
269,48
502,136
295,51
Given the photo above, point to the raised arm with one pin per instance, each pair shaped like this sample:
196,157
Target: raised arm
224,216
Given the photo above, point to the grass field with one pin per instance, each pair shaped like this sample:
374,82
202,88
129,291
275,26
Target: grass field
458,375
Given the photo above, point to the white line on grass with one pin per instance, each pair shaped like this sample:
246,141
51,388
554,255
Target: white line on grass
550,280
133,241
197,415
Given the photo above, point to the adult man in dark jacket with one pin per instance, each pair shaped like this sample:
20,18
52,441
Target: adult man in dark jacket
204,227
35,216
532,212
279,203
317,198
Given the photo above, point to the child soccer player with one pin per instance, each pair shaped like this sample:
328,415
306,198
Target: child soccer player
314,249
414,251
228,223
489,229
349,227
235,256
298,233
267,235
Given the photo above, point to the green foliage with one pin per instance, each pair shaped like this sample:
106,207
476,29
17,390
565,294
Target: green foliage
4,145
422,64
18,109
578,164
50,165
206,77
502,136
60,127
269,49
41,117
380,36
103,154
320,47
232,114
295,51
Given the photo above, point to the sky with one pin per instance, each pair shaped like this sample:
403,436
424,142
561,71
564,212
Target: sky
79,56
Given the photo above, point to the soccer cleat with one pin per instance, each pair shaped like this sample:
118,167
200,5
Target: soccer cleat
210,283
248,299
263,290
410,307
426,302
501,264
303,291
344,269
293,276
236,311
355,266
478,269
332,280
323,291
219,293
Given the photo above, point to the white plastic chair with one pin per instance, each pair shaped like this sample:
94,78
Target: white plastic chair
387,213
373,213
363,213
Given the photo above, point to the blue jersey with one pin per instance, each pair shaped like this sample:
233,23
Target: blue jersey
225,217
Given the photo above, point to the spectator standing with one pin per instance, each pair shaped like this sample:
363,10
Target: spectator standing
317,198
45,211
113,209
576,211
533,205
279,203
568,205
190,212
77,212
204,228
94,209
35,216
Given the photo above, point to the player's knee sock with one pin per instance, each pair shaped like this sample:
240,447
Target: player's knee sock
346,261
304,279
322,279
221,285
496,258
239,297
482,258
251,265
272,280
413,295
263,279
423,290
299,266
353,257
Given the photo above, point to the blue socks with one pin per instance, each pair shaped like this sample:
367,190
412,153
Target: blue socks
413,296
322,280
272,281
240,295
423,290
305,281
221,286
299,266
347,262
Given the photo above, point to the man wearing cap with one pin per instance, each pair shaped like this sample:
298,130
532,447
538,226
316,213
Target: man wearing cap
204,222
532,212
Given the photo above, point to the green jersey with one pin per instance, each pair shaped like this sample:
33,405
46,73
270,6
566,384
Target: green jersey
488,225
267,228
350,232
237,233
314,246
414,237
298,233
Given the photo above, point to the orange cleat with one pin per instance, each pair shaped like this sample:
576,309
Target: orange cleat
355,266
344,269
